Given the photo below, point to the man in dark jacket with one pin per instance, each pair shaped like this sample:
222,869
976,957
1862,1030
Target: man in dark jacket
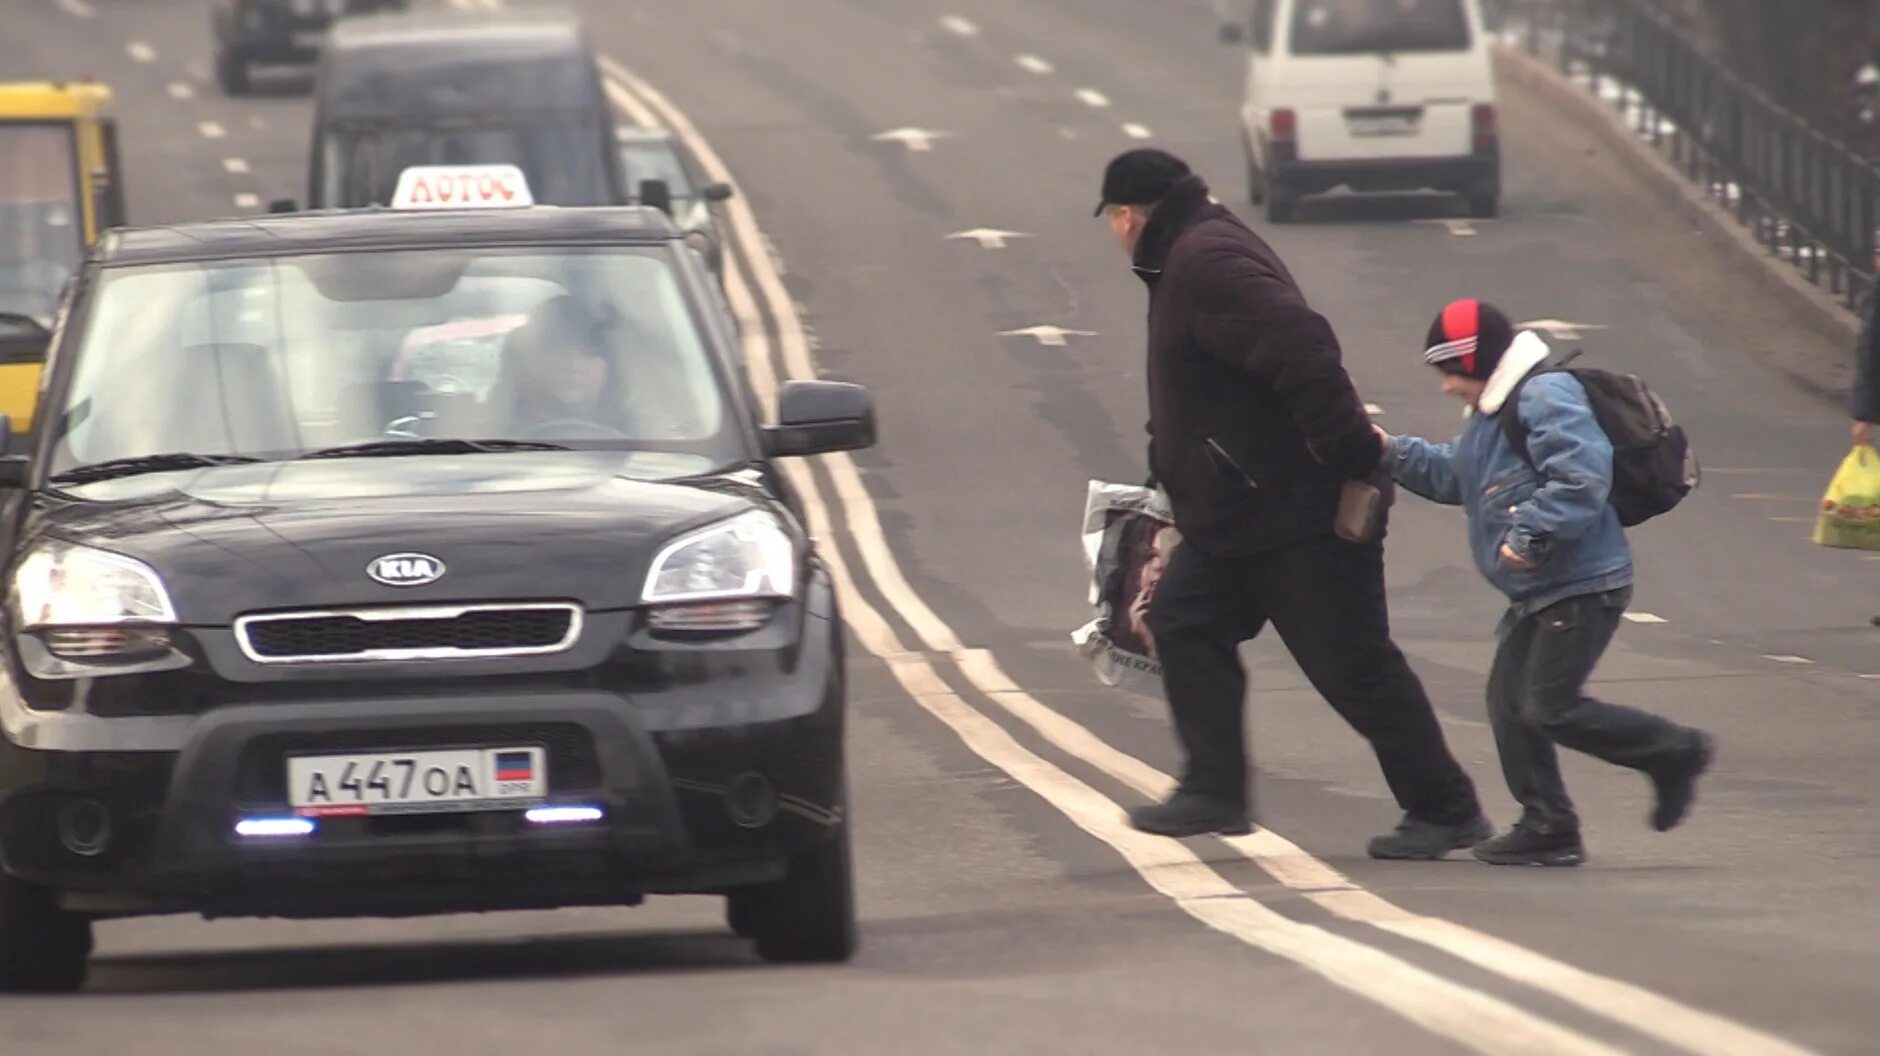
1255,428
1866,397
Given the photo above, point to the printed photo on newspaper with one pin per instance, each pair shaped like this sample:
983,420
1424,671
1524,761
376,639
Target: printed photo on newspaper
1128,536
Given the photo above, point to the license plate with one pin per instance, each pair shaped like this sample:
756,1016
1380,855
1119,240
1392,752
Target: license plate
455,780
1382,126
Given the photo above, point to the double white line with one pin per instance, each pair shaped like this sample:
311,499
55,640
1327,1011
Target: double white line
843,509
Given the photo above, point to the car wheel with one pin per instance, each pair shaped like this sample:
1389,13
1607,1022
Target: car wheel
1282,205
741,913
809,915
43,948
1256,180
231,71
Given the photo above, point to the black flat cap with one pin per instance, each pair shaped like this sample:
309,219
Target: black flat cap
1140,177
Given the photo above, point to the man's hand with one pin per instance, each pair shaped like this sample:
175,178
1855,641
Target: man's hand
1514,560
1863,434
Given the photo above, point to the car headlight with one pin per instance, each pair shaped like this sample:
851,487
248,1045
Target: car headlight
88,606
64,585
727,577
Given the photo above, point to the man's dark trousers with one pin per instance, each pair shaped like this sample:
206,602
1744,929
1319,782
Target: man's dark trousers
1325,597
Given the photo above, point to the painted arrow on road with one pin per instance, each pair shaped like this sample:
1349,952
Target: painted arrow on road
988,237
1049,336
914,139
1560,329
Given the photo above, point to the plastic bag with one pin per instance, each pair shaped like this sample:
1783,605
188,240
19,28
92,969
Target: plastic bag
1128,536
1850,511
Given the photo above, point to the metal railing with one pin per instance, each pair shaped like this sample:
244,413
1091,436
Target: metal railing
1809,198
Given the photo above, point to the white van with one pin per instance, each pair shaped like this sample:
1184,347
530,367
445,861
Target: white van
1372,95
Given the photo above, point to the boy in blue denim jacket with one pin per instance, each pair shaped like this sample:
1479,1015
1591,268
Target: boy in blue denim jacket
1546,536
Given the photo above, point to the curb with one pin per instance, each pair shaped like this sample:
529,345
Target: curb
1818,310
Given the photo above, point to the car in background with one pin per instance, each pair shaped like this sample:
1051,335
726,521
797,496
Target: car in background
326,603
1370,95
662,173
277,32
444,87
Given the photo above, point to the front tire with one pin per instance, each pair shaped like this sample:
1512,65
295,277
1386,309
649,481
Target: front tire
808,917
231,72
43,948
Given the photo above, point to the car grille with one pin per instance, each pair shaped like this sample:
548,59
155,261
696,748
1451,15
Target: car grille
445,632
573,764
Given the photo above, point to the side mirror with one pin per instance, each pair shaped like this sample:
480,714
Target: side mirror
656,194
717,192
283,205
1233,33
817,417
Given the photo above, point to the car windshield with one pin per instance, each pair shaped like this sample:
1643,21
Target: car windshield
562,160
277,358
654,160
42,235
1359,27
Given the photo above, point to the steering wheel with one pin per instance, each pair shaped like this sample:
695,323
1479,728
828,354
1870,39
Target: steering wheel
562,428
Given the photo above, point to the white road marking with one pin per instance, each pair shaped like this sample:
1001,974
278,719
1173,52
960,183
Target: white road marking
1092,97
1787,658
1047,335
1034,64
1457,227
988,237
77,8
1560,329
1770,496
246,200
918,140
960,27
140,51
212,130
182,90
235,166
1645,617
1696,1031
1372,408
1136,131
636,110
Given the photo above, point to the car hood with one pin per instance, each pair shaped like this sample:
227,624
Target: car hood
512,526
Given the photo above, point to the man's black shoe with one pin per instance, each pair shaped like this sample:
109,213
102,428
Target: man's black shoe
1677,783
1524,846
1191,814
1425,841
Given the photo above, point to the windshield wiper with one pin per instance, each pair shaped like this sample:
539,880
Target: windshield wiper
130,467
436,445
22,321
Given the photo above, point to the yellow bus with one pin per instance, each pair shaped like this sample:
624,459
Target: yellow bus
60,188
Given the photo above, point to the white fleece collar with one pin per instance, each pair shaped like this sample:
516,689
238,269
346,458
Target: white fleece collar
1524,354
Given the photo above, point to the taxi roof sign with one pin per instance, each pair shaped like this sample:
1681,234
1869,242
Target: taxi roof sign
462,187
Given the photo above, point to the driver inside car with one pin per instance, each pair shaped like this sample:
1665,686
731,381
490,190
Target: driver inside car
558,371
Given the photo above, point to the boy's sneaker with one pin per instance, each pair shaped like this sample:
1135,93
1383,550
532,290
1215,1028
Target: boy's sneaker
1524,846
1677,782
1426,841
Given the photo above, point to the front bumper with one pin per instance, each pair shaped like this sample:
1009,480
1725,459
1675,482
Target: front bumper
671,767
1472,174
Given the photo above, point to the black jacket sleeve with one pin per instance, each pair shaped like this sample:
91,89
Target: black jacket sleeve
1251,318
1865,403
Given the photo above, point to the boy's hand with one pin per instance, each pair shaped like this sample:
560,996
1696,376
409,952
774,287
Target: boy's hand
1514,560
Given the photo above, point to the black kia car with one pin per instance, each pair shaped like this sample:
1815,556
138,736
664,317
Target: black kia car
389,563
283,32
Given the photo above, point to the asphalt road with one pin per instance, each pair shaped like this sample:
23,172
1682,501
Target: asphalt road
1005,907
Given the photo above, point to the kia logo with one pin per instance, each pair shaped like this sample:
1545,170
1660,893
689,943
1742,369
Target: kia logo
406,570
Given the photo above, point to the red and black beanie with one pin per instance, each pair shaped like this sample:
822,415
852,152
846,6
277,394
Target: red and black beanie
1468,338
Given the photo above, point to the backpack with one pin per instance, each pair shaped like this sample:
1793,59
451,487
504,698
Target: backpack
1653,465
